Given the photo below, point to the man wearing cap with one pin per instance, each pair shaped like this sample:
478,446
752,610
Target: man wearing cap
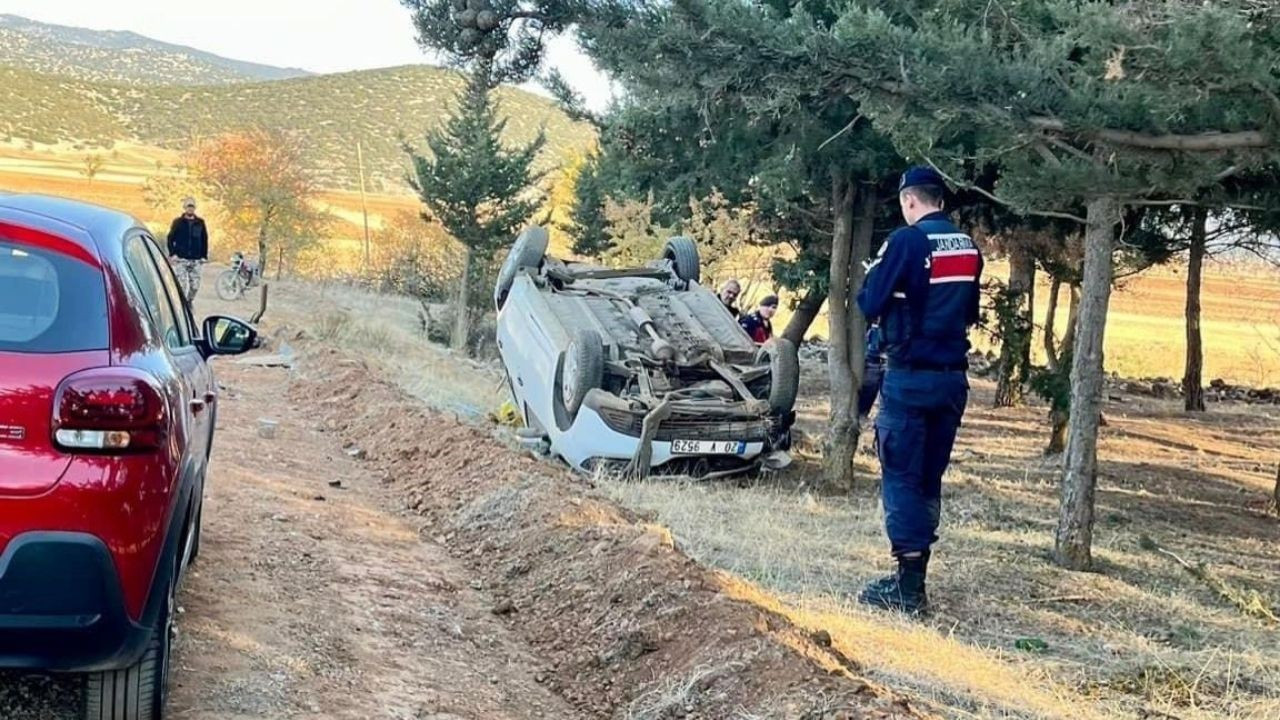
922,287
188,247
758,323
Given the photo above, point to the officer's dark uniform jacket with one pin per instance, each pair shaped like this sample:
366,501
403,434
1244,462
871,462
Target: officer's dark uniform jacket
923,287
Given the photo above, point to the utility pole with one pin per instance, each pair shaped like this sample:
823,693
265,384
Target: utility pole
364,204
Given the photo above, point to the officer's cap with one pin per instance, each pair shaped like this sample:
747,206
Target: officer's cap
769,301
921,175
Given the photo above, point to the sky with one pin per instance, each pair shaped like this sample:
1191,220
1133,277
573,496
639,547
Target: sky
329,36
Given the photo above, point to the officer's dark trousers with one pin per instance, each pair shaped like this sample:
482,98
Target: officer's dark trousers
920,412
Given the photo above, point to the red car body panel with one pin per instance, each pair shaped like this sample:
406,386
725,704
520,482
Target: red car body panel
128,500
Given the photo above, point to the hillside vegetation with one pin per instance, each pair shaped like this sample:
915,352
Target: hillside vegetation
330,113
123,57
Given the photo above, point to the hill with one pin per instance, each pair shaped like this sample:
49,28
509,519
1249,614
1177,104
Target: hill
330,113
120,57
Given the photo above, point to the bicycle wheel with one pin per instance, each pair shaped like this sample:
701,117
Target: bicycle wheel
229,285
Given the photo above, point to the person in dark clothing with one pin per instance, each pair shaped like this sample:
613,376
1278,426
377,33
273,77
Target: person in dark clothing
188,247
729,293
923,288
758,323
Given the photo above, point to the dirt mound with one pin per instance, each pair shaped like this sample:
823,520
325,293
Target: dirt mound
626,626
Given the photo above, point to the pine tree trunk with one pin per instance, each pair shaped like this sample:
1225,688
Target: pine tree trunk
854,214
806,312
1015,348
1275,493
1193,378
1050,320
1058,420
462,309
1073,546
1073,320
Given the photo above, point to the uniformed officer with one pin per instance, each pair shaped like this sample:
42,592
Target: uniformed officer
923,289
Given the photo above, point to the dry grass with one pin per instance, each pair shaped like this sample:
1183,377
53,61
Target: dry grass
387,333
1141,638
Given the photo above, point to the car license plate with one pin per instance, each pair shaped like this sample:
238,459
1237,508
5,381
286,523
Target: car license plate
708,447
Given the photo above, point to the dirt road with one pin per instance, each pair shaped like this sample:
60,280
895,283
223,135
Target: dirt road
312,600
315,601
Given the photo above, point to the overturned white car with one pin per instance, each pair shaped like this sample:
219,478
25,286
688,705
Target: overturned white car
640,369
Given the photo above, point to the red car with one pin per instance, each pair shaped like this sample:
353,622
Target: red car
107,408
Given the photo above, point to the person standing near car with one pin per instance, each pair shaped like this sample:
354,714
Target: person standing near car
923,287
188,247
759,322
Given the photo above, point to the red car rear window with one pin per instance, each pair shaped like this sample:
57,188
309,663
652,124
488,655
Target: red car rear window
49,302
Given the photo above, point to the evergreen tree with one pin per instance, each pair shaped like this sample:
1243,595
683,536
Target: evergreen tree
479,190
587,224
1109,107
508,35
692,122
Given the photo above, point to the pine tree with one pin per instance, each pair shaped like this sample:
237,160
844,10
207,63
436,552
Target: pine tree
587,224
478,189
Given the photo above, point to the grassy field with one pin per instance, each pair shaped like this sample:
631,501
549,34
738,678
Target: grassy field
330,113
56,170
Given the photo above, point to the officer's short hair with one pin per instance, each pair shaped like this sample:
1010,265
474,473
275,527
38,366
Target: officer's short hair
933,195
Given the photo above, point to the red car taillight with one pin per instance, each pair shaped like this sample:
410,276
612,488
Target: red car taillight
109,410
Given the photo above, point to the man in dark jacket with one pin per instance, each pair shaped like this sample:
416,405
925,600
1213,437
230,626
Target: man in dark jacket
923,288
188,247
758,323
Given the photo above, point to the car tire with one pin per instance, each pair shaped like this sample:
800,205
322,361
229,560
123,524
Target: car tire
581,370
529,251
683,254
784,375
139,691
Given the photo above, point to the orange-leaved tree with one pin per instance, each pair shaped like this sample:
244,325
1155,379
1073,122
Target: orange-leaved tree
265,187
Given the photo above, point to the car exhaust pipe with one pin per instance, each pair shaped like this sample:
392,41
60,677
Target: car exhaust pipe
659,348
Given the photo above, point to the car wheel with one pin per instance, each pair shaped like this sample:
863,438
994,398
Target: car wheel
139,691
784,375
683,254
582,370
528,251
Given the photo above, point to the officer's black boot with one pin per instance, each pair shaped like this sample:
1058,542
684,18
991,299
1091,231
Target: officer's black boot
903,591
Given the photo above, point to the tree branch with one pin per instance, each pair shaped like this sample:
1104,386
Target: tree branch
993,198
1272,100
1204,142
842,131
1195,203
